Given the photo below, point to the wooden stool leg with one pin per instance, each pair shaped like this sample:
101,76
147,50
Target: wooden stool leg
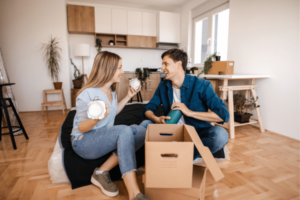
18,118
44,100
261,125
62,98
141,96
8,123
42,110
231,114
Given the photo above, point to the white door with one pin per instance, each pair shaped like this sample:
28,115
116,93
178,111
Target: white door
119,21
169,27
134,22
102,19
149,24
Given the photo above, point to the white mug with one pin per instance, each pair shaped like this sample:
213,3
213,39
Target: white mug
134,83
96,109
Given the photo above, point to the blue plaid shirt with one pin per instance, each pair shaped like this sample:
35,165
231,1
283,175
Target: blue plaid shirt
196,93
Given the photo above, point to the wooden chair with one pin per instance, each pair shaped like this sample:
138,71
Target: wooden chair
53,103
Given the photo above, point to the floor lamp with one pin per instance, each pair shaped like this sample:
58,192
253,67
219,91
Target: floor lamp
82,50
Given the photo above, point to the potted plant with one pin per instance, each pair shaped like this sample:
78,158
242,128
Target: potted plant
77,82
207,64
143,75
98,45
52,57
242,105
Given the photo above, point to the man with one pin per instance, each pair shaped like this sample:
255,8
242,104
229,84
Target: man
194,97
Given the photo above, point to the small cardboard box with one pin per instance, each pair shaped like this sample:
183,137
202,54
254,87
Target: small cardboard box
195,193
169,157
222,68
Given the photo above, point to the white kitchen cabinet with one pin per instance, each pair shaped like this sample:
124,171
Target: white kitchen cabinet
149,24
119,21
102,19
134,22
168,27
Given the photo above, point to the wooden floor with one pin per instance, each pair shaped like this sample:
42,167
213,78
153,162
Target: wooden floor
262,166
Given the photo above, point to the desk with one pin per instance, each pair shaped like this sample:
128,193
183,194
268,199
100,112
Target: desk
228,91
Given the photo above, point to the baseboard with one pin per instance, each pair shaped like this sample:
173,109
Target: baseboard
67,110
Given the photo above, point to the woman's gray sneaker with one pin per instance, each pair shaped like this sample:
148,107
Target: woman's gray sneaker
140,196
104,182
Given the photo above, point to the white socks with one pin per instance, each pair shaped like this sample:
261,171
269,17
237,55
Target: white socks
99,172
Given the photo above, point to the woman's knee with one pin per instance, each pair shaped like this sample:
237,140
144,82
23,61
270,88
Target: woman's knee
126,131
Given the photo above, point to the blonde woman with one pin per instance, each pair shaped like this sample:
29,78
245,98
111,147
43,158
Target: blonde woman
93,138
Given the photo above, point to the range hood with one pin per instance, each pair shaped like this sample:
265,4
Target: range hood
166,46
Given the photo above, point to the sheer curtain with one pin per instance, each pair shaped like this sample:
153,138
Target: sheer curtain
8,93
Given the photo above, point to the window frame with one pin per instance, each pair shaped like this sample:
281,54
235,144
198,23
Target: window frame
209,15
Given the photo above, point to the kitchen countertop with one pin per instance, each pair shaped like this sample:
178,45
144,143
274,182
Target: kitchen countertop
129,72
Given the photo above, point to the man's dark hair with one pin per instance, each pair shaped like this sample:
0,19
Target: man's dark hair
177,55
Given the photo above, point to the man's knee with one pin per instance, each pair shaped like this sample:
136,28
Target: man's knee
220,135
145,123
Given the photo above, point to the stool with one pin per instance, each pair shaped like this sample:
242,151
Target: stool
4,106
138,96
53,103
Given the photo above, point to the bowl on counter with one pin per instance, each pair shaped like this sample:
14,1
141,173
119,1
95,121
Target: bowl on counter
153,69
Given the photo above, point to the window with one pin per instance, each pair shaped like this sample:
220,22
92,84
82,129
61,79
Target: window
211,34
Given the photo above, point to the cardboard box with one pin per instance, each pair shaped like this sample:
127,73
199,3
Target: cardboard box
222,67
195,193
169,164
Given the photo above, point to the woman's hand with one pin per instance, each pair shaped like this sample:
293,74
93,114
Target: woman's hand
132,91
182,107
107,110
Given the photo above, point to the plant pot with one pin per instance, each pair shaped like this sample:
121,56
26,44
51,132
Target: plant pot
218,58
57,85
196,71
242,118
77,83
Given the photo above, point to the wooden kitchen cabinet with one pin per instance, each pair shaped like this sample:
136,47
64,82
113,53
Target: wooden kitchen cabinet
102,19
134,22
147,94
168,27
141,41
122,87
149,24
119,21
81,19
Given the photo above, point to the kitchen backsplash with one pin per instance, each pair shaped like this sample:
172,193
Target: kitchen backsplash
131,58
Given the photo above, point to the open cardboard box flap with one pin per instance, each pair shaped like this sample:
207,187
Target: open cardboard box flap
205,154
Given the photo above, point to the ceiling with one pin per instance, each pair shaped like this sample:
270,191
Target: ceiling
166,5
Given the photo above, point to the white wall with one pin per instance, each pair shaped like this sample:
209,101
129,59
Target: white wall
264,39
186,24
24,26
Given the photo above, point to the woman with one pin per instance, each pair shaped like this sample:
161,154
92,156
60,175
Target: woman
93,138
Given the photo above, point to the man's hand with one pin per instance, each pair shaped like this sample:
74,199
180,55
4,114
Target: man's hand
161,120
182,107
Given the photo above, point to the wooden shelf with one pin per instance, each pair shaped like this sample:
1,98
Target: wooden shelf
226,125
251,121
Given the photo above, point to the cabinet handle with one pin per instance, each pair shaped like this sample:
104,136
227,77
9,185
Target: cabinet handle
142,45
149,80
149,90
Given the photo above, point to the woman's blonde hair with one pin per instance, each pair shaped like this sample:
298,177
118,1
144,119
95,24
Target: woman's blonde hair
104,68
